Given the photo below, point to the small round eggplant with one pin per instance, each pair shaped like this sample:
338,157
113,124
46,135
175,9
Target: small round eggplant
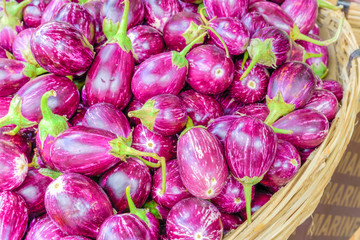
286,164
260,199
94,7
256,110
62,49
51,9
220,126
107,117
324,102
221,8
201,108
146,42
21,47
13,216
309,128
215,76
253,87
230,222
133,106
254,22
164,114
334,87
44,229
86,206
228,103
194,218
132,172
175,189
33,12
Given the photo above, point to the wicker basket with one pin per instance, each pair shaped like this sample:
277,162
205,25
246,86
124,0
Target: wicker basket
293,204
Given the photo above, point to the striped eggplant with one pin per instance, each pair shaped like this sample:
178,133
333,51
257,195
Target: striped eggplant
157,210
315,30
334,87
256,110
21,47
254,22
189,5
33,12
223,8
20,140
78,116
228,103
51,9
44,229
305,153
86,206
230,222
324,102
220,126
260,199
94,8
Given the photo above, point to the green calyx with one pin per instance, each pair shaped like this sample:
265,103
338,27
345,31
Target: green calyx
34,163
147,114
324,4
192,32
320,69
14,116
110,28
140,212
189,125
281,131
82,2
278,108
12,13
50,173
51,124
152,207
260,52
31,71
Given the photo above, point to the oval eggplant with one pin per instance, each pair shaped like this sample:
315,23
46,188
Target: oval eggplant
256,110
45,229
51,9
21,47
189,5
94,8
228,103
260,199
230,222
324,102
86,206
254,21
220,126
221,8
133,106
334,87
33,12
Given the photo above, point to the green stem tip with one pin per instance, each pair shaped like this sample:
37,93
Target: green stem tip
50,173
247,192
141,213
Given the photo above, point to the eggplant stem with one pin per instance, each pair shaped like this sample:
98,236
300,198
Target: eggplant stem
21,6
202,15
253,62
163,172
4,8
312,55
247,192
246,57
123,23
45,109
131,203
148,163
324,4
281,131
220,38
190,45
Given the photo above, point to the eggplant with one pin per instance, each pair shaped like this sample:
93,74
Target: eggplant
309,128
286,164
132,172
305,153
220,126
334,87
86,206
109,77
157,210
78,16
15,166
254,22
231,198
260,199
78,116
230,222
157,12
315,30
215,76
21,47
94,8
189,5
20,140
5,54
146,42
299,54
51,9
201,108
252,88
13,216
256,110
181,29
175,189
268,47
198,151
33,192
33,12
107,117
194,218
145,140
133,106
74,238
163,114
223,8
250,147
324,102
290,87
228,103
45,229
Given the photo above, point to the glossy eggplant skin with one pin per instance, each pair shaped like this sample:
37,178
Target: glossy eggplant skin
133,173
230,222
260,199
13,216
61,49
21,47
21,140
256,110
220,126
109,77
94,8
228,103
51,9
254,21
74,238
334,87
86,208
325,102
221,8
33,12
45,229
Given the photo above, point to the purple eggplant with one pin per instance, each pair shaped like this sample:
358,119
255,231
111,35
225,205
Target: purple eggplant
318,64
215,76
21,47
33,12
230,222
260,199
164,114
254,22
61,49
256,110
223,8
250,148
220,126
305,153
175,189
231,198
161,74
157,12
286,164
33,191
21,140
132,172
133,106
124,226
194,218
109,77
13,216
324,102
86,206
198,151
45,229
290,87
315,30
94,8
146,42
181,29
78,16
14,166
157,210
189,5
14,74
51,9
201,108
145,140
303,13
4,53
309,128
299,54
78,116
268,47
228,103
252,88
74,238
334,87
107,117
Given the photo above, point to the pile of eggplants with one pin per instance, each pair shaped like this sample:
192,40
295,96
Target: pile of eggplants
149,119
